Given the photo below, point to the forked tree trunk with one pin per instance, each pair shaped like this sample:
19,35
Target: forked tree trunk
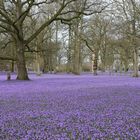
21,65
19,42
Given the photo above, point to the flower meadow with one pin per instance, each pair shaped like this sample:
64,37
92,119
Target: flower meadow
68,107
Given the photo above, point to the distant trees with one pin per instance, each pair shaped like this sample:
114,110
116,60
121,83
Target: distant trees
128,16
31,32
96,37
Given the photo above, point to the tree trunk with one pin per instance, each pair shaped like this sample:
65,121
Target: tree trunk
38,71
103,66
12,66
69,52
77,61
77,48
135,65
126,66
94,63
76,67
21,65
134,41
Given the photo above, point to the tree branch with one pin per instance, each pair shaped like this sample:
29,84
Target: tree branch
7,58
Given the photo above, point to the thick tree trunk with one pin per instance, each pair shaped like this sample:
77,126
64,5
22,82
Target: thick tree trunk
21,65
20,46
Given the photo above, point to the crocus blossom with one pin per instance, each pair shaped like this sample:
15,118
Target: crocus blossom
68,107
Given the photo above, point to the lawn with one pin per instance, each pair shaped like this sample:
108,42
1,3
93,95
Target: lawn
68,107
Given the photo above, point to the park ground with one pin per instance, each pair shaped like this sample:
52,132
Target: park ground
68,107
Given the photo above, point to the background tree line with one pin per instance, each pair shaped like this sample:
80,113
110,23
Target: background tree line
69,36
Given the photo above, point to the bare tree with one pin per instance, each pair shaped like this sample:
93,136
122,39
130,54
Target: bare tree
129,13
13,15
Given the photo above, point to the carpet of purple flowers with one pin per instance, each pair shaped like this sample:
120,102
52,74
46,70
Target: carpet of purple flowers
67,107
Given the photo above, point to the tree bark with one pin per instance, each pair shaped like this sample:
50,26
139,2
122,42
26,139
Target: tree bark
69,52
95,63
21,65
134,41
126,65
135,65
77,48
77,61
76,67
12,66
